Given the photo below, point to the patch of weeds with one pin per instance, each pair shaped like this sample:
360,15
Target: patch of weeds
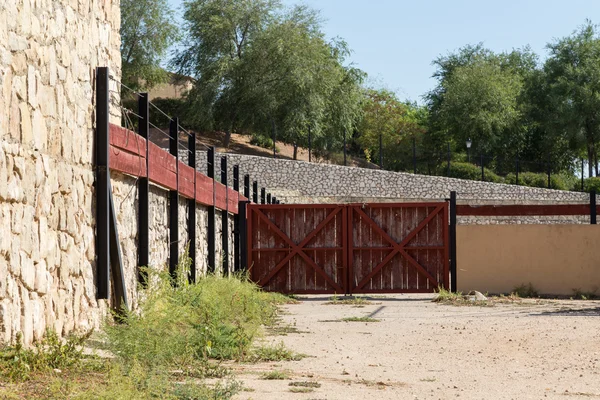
248,389
356,301
525,291
458,299
280,329
578,294
360,319
428,380
275,375
301,390
274,353
18,363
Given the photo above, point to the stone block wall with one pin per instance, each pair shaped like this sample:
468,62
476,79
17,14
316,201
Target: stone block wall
300,182
48,54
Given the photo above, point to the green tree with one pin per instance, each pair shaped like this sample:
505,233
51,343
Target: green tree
220,32
260,68
573,78
480,103
393,124
147,31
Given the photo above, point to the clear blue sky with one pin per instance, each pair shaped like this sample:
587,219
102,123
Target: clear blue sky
395,41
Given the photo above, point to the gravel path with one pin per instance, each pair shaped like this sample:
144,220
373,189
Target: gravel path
423,350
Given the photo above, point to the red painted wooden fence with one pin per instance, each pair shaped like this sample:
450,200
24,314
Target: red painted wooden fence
128,155
372,248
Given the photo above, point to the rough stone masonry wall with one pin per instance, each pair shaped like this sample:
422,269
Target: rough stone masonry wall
49,50
297,182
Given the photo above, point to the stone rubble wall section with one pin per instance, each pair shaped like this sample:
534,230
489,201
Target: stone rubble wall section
48,54
300,182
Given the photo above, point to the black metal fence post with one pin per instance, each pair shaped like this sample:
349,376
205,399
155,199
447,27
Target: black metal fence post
269,198
549,172
210,171
236,221
225,220
247,186
144,193
482,169
517,174
174,202
274,139
102,185
380,151
263,196
192,209
345,162
582,178
593,207
414,155
244,225
255,192
449,155
453,277
309,145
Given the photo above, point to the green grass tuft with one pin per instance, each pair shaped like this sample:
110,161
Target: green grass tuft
275,375
274,353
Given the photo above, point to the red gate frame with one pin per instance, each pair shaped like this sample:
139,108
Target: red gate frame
299,249
400,248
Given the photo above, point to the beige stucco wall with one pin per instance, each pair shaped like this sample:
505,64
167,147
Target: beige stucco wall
555,259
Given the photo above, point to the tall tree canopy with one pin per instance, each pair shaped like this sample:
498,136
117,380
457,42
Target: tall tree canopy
573,78
147,31
258,67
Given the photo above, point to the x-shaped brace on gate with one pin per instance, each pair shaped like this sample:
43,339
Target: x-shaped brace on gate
299,248
399,248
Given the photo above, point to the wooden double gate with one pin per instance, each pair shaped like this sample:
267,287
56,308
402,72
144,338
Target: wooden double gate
349,248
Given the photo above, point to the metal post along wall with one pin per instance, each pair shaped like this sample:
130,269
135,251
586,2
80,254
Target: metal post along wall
236,221
144,192
453,269
192,209
174,202
210,171
102,185
225,219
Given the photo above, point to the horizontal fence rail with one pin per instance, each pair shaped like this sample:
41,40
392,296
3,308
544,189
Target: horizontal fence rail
128,155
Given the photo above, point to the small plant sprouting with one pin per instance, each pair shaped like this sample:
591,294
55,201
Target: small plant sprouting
525,291
275,375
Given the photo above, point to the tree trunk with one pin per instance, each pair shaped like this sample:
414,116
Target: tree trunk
227,139
596,160
590,154
295,151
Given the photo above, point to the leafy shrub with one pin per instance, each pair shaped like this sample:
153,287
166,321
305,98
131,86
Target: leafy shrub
216,318
261,140
592,183
463,170
539,180
17,363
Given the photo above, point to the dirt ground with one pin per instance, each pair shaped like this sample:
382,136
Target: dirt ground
422,350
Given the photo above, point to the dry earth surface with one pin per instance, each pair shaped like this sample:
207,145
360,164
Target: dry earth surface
422,350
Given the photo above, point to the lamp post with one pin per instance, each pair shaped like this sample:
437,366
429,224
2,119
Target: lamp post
469,143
